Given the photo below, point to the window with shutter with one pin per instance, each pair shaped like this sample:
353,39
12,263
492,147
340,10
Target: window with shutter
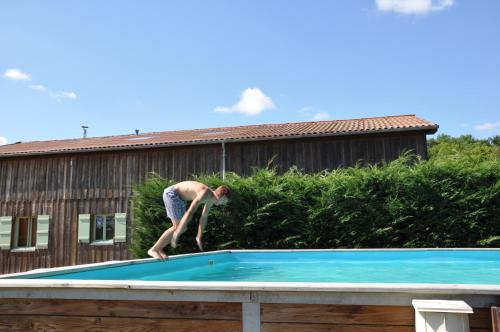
25,232
103,229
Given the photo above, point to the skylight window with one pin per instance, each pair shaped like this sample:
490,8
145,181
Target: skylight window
142,138
212,133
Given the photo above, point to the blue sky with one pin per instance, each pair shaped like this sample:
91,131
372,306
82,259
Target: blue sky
117,66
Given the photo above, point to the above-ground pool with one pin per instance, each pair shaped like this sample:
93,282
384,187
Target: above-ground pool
434,267
255,290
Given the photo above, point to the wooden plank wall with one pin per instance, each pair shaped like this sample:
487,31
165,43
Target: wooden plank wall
98,175
64,186
118,315
350,318
314,155
105,315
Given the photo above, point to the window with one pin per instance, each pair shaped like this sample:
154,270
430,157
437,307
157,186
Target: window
103,228
25,232
100,228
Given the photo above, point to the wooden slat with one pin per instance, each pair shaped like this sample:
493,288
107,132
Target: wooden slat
68,236
495,319
61,323
337,314
290,327
111,308
73,216
480,319
60,251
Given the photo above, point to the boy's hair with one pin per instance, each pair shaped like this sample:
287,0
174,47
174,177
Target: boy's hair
223,191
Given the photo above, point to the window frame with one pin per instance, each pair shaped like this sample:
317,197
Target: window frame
15,244
94,232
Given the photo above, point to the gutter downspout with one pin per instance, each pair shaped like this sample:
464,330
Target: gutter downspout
223,160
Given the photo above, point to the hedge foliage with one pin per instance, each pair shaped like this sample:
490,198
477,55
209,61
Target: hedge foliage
447,201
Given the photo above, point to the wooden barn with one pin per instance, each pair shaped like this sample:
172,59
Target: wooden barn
67,202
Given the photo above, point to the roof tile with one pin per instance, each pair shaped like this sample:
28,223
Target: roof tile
211,135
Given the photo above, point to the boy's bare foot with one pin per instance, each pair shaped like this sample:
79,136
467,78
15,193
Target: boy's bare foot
199,243
163,254
154,253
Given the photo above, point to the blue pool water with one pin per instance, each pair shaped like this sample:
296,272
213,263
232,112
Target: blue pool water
443,267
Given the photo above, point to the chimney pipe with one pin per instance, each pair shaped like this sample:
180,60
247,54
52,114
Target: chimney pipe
85,131
137,131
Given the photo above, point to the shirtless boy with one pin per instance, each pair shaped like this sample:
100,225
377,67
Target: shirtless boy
175,198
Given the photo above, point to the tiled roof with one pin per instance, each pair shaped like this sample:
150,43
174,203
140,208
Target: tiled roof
229,134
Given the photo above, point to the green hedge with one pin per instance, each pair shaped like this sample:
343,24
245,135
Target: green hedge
438,203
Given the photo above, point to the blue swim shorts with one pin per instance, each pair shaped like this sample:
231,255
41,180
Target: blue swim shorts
174,204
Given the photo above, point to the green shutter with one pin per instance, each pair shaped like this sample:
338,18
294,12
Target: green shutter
5,230
84,228
42,232
120,227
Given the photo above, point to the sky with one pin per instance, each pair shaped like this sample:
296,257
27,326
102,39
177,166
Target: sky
117,66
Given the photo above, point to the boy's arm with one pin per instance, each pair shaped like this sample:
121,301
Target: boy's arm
191,210
202,224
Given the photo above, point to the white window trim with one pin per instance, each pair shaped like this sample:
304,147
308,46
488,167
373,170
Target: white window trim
23,249
16,234
106,241
102,243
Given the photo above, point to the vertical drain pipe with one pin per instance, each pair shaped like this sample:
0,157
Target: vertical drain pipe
223,160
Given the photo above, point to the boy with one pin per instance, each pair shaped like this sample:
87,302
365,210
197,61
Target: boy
175,198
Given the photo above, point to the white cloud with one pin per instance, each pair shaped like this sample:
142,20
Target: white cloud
68,94
320,116
38,87
487,126
252,102
306,109
416,7
3,140
63,95
16,75
313,114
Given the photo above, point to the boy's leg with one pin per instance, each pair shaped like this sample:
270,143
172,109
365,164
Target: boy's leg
181,228
156,250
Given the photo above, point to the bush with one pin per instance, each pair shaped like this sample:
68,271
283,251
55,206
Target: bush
464,149
451,200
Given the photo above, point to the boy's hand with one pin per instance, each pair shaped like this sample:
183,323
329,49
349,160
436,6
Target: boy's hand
199,243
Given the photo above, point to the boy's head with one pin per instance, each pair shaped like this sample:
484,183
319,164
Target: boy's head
223,194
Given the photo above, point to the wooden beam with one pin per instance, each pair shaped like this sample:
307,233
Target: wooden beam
495,319
290,327
111,308
337,314
75,323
